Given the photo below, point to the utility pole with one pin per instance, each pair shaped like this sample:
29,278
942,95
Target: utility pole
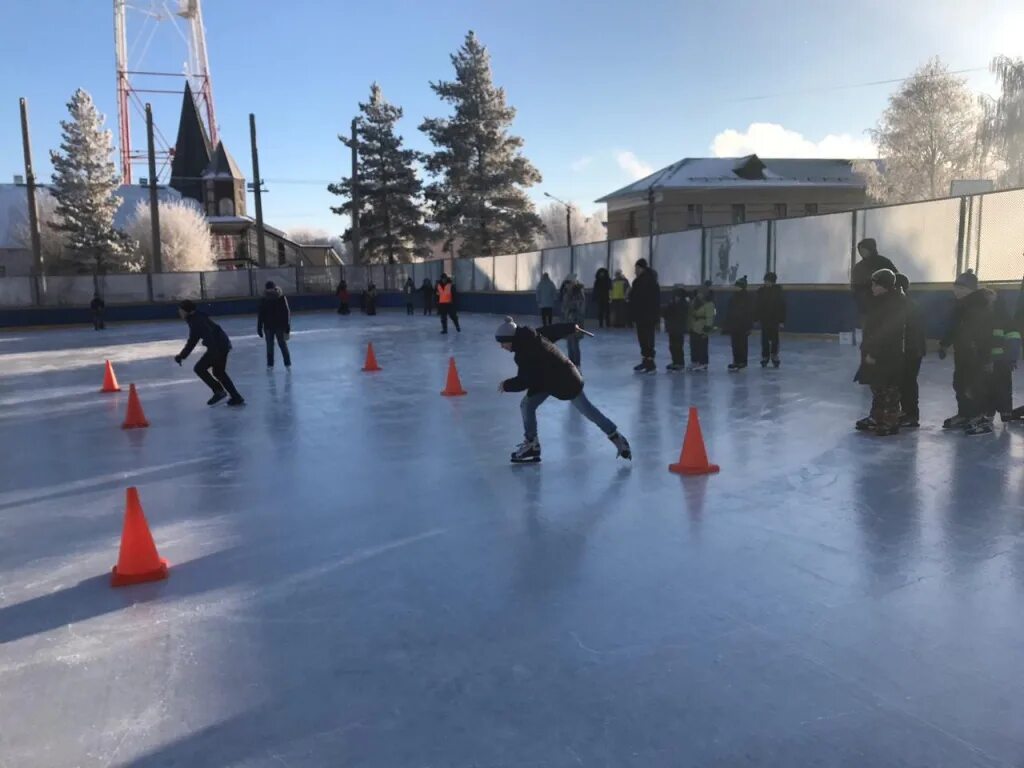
30,186
156,263
353,144
261,244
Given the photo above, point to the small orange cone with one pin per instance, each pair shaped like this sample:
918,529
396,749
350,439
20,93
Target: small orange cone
453,387
138,560
693,460
134,417
110,380
370,366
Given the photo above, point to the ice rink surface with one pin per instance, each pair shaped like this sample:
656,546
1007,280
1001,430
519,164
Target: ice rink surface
360,578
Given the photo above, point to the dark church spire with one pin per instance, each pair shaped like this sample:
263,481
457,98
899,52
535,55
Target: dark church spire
192,151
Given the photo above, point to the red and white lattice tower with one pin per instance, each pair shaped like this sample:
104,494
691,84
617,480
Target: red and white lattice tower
155,41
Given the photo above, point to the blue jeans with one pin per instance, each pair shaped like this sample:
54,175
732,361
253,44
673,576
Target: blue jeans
531,403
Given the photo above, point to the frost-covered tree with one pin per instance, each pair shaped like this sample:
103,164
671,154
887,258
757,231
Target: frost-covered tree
185,241
1008,119
316,236
926,136
478,195
585,229
390,218
51,239
84,181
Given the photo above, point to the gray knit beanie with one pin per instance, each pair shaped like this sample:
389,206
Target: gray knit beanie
506,331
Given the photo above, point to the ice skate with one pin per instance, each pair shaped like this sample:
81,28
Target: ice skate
764,363
675,367
979,426
527,452
648,366
234,402
883,430
776,362
910,422
866,424
621,445
217,397
639,368
956,422
732,368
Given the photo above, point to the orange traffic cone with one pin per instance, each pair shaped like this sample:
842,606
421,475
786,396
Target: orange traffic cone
370,366
693,460
110,380
134,417
138,560
453,387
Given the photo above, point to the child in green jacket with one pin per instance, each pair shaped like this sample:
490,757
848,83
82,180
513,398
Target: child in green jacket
701,323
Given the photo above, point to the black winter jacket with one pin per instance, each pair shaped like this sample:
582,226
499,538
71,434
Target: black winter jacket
202,328
915,344
542,366
771,306
884,330
274,313
602,287
860,279
676,314
971,331
645,298
739,317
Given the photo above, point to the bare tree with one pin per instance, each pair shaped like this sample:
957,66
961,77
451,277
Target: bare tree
927,135
585,229
1008,119
185,241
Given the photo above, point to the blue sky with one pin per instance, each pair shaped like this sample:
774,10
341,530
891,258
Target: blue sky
603,90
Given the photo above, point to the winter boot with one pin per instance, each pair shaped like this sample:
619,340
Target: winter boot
217,397
956,422
622,446
979,426
776,362
866,424
236,401
527,452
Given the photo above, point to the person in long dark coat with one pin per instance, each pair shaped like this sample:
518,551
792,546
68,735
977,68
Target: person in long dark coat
771,313
739,321
428,296
882,354
915,347
645,309
603,298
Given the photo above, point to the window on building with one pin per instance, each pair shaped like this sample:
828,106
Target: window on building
282,259
631,226
739,213
780,210
694,215
226,207
811,208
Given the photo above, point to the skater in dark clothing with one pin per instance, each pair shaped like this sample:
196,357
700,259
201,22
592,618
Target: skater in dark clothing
915,347
881,365
428,296
446,303
701,324
370,299
547,297
1005,356
645,309
98,307
739,321
860,276
970,335
343,298
603,298
771,313
677,321
574,308
410,292
215,359
545,372
274,321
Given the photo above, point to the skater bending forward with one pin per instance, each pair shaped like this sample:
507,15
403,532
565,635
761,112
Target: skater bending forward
215,359
545,372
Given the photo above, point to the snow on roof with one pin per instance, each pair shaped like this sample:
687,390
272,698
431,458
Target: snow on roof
738,172
14,207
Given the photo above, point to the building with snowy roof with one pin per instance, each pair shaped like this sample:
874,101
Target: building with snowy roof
713,191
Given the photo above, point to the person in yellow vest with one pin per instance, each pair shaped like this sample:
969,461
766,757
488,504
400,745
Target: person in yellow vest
446,303
620,287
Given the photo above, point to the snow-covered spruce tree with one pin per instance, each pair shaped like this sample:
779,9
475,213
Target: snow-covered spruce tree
478,195
84,181
390,219
185,241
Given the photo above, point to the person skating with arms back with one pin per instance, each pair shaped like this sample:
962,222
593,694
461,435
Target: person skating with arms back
212,366
274,321
882,354
771,313
543,372
645,308
739,321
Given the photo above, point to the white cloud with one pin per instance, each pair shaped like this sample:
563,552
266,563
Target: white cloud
581,164
633,165
772,140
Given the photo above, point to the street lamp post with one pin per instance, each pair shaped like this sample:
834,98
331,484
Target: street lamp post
568,216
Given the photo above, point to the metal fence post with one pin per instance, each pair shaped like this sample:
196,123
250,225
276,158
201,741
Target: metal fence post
202,286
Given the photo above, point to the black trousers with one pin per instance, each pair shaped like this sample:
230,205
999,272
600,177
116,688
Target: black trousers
409,309
604,314
909,393
675,348
97,321
270,336
769,343
216,360
699,349
446,311
1000,393
547,315
740,347
428,307
343,308
645,335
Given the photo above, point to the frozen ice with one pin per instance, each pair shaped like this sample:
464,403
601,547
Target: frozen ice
360,578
